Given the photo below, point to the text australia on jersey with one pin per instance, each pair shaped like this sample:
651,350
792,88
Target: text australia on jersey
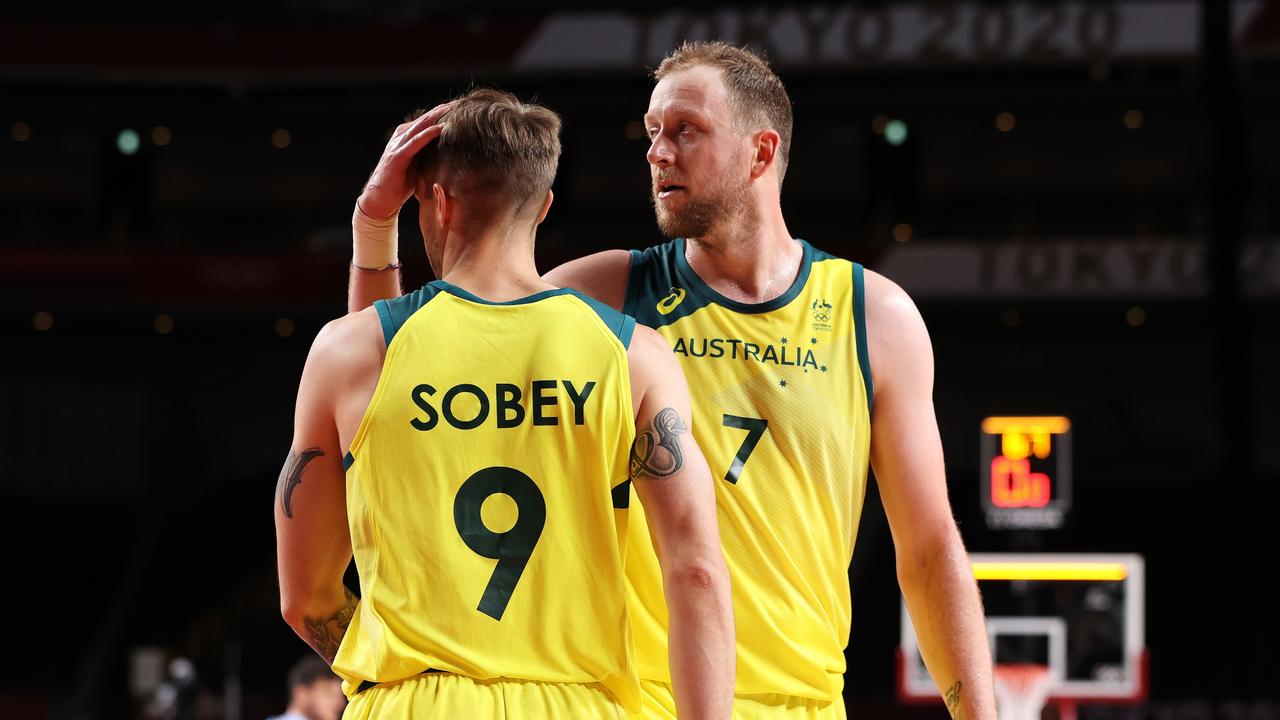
734,349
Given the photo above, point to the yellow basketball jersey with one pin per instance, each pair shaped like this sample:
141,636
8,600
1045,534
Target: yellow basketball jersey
781,406
480,494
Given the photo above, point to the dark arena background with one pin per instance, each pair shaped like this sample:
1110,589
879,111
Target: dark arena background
1082,197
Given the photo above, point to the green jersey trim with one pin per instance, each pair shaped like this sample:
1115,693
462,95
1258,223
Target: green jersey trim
686,273
860,324
654,294
395,312
662,288
621,325
455,290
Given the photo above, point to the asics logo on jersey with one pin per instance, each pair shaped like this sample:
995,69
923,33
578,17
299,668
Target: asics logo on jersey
669,303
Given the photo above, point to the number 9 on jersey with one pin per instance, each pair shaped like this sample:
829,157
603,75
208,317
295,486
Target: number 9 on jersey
512,548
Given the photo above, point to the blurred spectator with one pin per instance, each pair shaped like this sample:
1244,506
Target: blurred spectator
179,696
315,693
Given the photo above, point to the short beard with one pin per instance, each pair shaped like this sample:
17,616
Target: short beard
700,216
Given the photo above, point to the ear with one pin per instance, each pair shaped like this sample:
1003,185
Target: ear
444,205
546,206
767,145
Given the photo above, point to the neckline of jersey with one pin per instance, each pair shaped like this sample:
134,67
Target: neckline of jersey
690,278
459,292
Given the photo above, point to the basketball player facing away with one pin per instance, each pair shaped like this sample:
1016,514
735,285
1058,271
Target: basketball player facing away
780,342
472,443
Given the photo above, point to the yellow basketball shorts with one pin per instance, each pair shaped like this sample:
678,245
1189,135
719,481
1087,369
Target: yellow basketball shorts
658,703
441,696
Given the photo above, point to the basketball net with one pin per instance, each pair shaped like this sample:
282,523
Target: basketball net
1022,691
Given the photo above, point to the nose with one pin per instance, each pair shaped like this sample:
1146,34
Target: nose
659,154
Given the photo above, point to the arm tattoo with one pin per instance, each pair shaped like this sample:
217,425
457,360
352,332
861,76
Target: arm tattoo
952,698
291,476
325,634
656,451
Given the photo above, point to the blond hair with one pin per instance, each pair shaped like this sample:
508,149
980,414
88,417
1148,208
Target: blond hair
494,144
755,91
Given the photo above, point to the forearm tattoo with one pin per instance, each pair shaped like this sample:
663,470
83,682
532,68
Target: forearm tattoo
656,451
325,634
291,477
952,698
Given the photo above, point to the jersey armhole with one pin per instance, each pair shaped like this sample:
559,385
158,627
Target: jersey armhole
384,318
860,328
631,296
622,325
626,330
395,312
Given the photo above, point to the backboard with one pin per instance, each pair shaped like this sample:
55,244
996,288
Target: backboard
1080,615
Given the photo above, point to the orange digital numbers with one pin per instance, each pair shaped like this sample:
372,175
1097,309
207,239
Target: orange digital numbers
1013,485
1028,469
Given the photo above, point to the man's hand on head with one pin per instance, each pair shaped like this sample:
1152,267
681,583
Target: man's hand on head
390,185
374,235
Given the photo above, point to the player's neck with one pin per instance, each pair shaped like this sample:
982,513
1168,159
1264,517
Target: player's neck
751,258
497,266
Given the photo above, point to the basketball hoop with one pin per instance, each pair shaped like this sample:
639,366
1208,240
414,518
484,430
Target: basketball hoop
1022,690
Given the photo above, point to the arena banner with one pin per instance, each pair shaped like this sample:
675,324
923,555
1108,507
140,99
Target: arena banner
796,37
816,36
908,33
1072,267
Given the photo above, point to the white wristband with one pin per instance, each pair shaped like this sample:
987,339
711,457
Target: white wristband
375,243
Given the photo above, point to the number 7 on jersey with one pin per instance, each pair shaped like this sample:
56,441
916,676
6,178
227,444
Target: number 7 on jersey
755,428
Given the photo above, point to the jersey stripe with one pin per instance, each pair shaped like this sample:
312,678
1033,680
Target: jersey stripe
860,324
